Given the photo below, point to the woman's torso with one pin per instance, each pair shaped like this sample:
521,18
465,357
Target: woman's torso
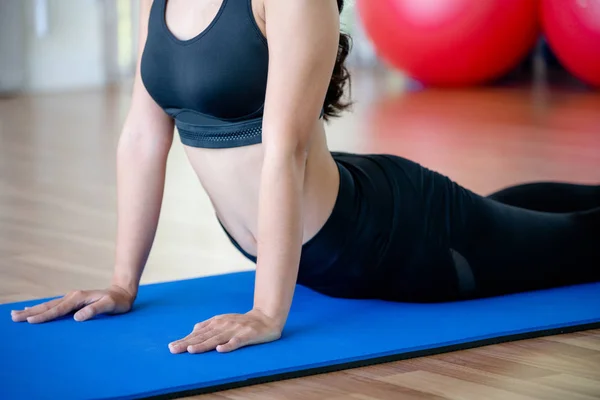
231,175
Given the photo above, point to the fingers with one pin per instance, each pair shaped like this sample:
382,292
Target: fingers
98,302
226,333
22,315
245,337
202,325
213,339
201,328
59,310
181,345
209,344
102,306
233,344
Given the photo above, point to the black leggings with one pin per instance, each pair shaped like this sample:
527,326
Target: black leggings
402,232
553,197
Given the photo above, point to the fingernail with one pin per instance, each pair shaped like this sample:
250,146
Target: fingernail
80,316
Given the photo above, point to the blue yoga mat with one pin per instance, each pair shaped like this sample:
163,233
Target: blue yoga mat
126,356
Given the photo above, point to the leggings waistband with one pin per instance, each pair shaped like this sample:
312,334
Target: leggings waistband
324,247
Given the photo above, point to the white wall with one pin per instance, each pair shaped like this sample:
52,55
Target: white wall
12,46
71,55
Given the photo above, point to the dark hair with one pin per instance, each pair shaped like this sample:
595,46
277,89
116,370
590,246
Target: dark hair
334,105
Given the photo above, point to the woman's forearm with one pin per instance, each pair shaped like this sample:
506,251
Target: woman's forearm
280,233
141,167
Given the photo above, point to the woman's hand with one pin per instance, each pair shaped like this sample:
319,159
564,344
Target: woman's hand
87,303
229,332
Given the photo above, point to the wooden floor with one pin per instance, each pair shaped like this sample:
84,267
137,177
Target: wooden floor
57,216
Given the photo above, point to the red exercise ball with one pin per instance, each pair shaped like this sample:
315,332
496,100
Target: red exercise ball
572,28
452,42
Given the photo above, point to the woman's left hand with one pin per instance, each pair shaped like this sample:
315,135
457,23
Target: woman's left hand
228,332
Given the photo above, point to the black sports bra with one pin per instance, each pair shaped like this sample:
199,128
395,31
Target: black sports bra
214,84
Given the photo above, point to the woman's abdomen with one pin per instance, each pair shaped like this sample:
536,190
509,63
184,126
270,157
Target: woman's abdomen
231,179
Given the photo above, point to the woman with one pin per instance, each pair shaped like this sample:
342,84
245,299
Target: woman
346,225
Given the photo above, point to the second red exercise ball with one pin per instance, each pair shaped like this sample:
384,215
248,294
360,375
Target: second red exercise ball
452,42
572,28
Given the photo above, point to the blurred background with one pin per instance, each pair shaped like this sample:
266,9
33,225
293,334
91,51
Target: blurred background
62,45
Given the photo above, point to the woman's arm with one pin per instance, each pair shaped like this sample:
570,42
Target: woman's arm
303,42
142,153
141,162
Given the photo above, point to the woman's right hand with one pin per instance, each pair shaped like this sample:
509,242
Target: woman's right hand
86,303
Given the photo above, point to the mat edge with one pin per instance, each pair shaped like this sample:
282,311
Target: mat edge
368,362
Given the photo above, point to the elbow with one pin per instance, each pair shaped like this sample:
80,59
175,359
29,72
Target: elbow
281,158
284,147
299,153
